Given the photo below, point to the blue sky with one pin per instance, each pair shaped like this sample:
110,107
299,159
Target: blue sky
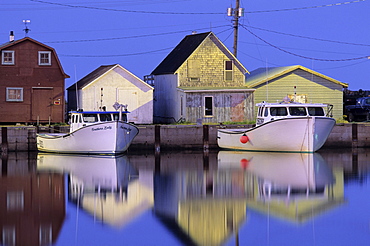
328,36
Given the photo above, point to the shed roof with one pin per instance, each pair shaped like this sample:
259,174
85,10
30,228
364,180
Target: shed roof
100,71
185,48
91,76
262,75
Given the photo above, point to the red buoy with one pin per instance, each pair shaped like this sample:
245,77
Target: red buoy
244,163
244,139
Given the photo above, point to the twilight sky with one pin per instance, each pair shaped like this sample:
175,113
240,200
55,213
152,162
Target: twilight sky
328,36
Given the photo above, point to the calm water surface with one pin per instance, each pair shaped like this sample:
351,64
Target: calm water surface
186,198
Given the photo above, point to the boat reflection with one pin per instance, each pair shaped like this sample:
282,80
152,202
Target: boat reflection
293,186
107,187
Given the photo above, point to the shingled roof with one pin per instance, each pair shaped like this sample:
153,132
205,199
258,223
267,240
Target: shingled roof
180,53
185,48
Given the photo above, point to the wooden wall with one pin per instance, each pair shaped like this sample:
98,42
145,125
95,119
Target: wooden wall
42,86
316,89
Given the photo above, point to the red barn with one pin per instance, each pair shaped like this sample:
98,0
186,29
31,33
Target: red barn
32,83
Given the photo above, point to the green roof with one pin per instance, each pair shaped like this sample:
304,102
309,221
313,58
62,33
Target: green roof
262,75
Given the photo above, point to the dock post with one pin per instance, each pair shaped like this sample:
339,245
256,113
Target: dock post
157,148
354,135
205,137
4,140
157,138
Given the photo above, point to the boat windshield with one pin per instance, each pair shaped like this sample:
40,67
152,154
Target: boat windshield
116,117
278,111
297,111
316,111
105,117
90,118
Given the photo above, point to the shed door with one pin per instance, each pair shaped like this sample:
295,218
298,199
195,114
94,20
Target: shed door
41,104
238,107
129,97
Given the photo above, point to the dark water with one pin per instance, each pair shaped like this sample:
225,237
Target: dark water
186,198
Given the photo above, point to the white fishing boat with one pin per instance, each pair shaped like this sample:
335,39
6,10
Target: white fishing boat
91,132
285,126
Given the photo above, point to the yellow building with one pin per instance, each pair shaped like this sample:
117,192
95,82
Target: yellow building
299,83
201,80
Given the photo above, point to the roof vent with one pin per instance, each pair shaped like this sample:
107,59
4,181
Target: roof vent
11,36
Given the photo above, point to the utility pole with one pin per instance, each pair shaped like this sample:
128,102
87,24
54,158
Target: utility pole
236,12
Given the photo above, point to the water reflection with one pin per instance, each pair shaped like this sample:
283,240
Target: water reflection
32,204
107,187
199,198
293,186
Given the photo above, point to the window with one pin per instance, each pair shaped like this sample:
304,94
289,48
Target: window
181,106
278,111
228,70
105,117
8,236
44,58
297,111
208,106
14,94
90,118
15,200
45,235
7,57
193,70
316,111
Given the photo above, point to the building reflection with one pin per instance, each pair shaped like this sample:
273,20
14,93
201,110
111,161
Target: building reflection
202,198
32,204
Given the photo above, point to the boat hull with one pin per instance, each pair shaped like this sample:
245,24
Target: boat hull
102,138
300,134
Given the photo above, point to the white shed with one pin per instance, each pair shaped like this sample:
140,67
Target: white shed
104,86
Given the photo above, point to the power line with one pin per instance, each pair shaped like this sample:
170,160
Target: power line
116,55
305,57
124,10
299,36
129,37
303,8
192,13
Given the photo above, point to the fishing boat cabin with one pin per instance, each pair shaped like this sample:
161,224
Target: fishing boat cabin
78,119
274,111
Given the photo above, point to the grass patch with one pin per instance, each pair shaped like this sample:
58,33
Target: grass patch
239,123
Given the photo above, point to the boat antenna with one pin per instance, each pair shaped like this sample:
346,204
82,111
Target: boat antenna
267,82
77,103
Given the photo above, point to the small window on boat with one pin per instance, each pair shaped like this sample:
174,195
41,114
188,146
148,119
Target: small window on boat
116,117
316,111
266,112
278,111
297,111
90,118
105,117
